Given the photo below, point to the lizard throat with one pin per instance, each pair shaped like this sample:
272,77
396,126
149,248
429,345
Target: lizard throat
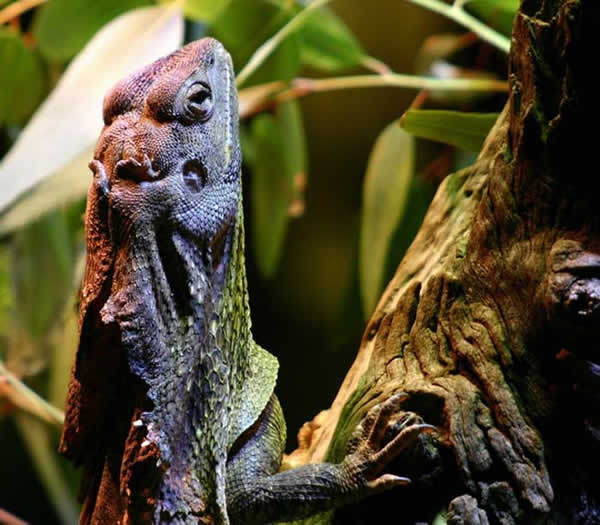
185,326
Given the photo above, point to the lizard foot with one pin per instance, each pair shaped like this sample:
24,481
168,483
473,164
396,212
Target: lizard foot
379,439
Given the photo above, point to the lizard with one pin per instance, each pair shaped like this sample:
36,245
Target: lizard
171,406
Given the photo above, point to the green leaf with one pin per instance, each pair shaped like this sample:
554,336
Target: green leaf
327,43
419,198
387,182
204,10
6,296
42,272
290,117
247,144
23,79
243,26
441,518
67,124
463,130
66,186
439,48
38,441
280,157
64,341
283,64
499,14
62,27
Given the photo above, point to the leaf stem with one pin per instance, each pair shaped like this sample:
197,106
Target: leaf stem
265,50
18,8
399,80
458,14
37,439
10,519
25,398
257,98
375,65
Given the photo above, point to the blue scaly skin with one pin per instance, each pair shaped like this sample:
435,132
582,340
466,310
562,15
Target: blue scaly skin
171,405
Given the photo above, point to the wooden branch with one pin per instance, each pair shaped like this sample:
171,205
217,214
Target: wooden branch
492,319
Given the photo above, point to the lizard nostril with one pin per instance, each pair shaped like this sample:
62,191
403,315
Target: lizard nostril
194,175
132,168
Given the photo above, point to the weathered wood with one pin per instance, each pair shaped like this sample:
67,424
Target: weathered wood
492,319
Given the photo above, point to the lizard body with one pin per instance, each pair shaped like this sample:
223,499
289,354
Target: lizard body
171,404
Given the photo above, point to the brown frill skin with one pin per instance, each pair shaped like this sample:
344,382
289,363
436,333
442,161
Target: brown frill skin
492,321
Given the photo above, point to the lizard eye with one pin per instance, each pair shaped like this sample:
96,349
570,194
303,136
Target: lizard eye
198,104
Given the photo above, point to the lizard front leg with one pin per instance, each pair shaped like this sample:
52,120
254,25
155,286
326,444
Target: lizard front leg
257,494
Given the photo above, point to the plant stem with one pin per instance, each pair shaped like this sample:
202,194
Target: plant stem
459,15
10,519
36,438
375,65
17,8
399,80
257,98
25,398
263,52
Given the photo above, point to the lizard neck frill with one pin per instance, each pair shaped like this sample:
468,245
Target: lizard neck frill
184,317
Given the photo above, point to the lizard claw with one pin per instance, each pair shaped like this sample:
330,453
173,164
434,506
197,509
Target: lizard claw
381,415
403,441
379,439
386,482
374,427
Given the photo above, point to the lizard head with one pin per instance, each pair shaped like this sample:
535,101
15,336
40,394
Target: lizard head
169,151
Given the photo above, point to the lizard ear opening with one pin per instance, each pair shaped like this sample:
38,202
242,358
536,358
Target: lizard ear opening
194,175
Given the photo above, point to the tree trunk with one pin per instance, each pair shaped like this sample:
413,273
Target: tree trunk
490,321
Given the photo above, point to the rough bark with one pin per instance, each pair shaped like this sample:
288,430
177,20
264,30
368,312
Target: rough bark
490,321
